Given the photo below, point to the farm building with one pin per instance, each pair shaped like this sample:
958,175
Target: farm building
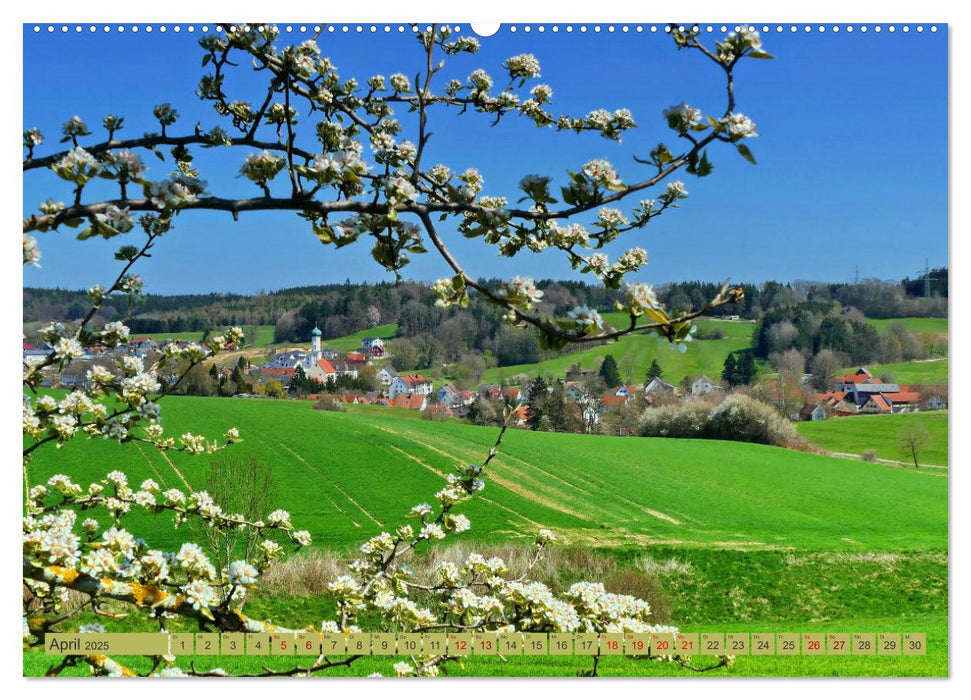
658,385
386,375
405,385
703,385
374,347
812,412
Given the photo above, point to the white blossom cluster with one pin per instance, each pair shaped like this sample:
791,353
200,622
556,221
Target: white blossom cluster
522,293
77,166
176,192
739,126
262,167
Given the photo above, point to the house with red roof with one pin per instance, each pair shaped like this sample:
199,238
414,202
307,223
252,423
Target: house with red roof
374,347
512,394
876,403
356,358
321,371
414,402
861,393
284,375
407,384
612,400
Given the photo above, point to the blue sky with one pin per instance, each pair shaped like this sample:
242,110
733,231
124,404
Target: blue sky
852,155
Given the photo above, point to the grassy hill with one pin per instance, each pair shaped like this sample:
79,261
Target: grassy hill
914,325
921,372
256,336
348,476
347,343
635,352
856,434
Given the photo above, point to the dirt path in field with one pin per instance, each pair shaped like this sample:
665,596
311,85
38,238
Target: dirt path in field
330,481
421,462
521,491
662,516
506,483
605,493
176,470
481,498
889,462
162,480
327,496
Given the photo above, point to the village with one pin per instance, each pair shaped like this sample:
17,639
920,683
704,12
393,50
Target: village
322,374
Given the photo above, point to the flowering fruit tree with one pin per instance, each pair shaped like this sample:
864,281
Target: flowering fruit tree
393,197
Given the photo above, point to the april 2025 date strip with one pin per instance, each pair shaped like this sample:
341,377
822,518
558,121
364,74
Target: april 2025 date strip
492,643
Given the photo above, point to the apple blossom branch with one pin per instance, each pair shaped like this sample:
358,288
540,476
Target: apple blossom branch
302,71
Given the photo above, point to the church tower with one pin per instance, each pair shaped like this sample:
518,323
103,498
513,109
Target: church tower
315,336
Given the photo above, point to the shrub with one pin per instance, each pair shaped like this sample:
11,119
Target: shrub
680,420
870,455
742,418
329,403
644,586
737,417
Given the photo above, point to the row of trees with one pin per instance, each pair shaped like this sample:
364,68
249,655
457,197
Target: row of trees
341,309
812,326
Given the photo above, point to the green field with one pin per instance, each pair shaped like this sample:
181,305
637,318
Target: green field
856,434
256,336
635,352
929,372
348,343
346,476
912,324
768,539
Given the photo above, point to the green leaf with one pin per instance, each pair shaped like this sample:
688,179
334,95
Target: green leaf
760,54
746,153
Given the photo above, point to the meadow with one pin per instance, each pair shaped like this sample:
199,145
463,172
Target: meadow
348,343
857,434
635,352
761,538
919,372
347,476
912,324
256,336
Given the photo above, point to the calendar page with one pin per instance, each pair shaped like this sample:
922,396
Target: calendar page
514,350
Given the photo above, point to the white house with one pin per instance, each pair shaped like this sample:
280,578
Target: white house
628,391
410,384
386,375
812,412
290,360
703,385
659,386
449,395
34,356
374,347
321,371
